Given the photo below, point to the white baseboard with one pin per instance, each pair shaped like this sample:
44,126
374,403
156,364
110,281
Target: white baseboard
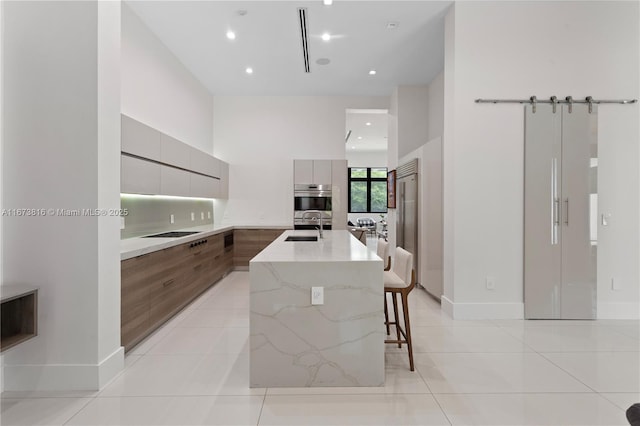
629,310
63,377
481,311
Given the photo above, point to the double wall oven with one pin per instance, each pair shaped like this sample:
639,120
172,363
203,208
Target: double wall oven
315,200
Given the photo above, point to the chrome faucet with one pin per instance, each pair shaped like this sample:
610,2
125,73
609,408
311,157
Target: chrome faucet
317,214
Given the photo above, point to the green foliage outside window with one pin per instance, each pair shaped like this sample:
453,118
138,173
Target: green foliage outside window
367,190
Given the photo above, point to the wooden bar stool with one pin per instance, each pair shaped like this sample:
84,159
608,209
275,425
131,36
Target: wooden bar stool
382,250
401,280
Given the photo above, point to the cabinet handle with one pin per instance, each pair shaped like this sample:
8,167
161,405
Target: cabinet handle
566,212
168,283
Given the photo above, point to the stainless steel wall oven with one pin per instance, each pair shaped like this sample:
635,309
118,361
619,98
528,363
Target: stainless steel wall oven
311,197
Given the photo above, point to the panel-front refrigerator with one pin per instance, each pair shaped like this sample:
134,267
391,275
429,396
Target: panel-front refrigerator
407,209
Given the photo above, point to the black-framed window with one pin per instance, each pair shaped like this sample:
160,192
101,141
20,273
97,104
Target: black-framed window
367,189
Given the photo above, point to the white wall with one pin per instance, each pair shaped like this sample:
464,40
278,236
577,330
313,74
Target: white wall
366,158
585,48
435,107
413,105
61,117
260,136
1,161
159,91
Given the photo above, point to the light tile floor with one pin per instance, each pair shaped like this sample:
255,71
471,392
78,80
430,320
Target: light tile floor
195,371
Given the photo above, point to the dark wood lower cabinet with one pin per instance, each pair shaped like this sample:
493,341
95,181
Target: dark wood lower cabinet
249,242
157,285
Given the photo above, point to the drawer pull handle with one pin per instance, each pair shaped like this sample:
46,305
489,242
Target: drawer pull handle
168,283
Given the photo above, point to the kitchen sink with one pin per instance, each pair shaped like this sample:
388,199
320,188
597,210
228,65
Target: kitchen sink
301,238
172,234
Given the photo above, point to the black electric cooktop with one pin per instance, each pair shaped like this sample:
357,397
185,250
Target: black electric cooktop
172,234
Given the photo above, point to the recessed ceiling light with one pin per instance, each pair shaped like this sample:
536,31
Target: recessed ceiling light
326,36
372,72
367,123
231,35
359,137
249,70
327,2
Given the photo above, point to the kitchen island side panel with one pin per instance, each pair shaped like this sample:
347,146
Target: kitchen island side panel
296,344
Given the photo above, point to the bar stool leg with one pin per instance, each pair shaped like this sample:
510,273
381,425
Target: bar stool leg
386,314
407,327
397,317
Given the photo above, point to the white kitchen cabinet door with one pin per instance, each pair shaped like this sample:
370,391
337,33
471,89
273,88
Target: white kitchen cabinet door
139,176
224,180
202,162
302,171
204,187
322,172
174,182
139,139
174,152
339,193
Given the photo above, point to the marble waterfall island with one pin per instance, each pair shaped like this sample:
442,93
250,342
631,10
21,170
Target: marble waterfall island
338,343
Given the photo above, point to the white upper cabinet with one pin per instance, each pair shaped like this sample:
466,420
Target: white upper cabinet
140,139
168,166
174,152
302,171
322,171
312,172
204,163
204,187
339,192
224,180
174,181
139,176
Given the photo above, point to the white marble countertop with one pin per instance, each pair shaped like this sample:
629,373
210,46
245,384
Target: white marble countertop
336,246
138,246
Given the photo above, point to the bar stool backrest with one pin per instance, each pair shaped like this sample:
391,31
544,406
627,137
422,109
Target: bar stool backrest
403,264
382,250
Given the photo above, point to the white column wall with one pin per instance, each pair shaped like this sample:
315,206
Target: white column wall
585,48
1,161
158,90
435,107
413,104
260,136
60,151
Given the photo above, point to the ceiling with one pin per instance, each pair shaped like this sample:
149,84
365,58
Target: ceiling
403,41
368,130
268,40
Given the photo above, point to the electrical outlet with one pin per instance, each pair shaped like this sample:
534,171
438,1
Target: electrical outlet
122,223
491,283
193,216
201,215
317,295
172,219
